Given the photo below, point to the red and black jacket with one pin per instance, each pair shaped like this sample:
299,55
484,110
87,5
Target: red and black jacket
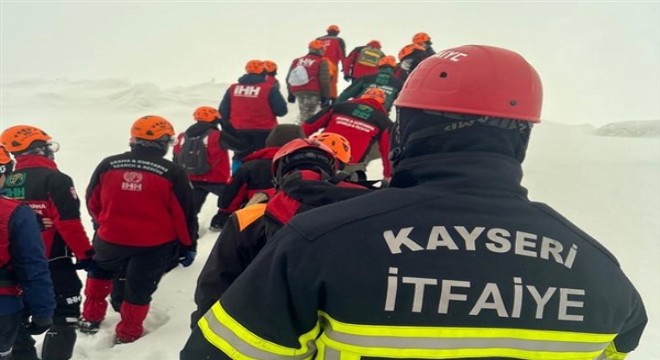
51,194
216,154
335,48
255,175
248,230
312,63
138,198
253,103
362,122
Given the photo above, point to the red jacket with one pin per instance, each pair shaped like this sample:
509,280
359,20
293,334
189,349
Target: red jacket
362,122
356,67
50,193
8,286
312,63
250,106
138,198
218,157
335,49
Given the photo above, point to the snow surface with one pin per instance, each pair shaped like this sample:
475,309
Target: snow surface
609,186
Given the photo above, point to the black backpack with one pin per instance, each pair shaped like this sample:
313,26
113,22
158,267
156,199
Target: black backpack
192,155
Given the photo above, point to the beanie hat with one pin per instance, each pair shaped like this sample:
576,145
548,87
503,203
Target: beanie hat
283,133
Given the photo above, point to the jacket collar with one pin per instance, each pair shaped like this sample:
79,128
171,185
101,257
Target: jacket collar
471,171
31,161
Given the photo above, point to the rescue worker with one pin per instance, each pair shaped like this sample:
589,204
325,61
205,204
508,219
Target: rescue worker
364,123
451,262
306,179
139,181
39,183
362,61
384,80
254,180
250,109
270,68
409,57
424,40
335,47
207,164
309,81
27,300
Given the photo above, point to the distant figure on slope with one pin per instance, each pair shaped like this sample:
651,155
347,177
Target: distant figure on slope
202,153
409,57
384,80
250,108
309,81
424,40
363,61
335,51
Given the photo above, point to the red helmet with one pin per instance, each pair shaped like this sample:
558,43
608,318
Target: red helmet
303,151
476,80
206,114
374,44
333,28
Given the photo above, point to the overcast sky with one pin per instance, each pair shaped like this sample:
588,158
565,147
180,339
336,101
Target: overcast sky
599,61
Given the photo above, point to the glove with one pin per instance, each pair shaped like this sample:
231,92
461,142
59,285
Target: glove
326,102
38,326
186,256
87,264
291,99
347,78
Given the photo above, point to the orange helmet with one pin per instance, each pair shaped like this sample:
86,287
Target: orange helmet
19,138
6,162
270,66
388,60
337,143
316,45
206,114
151,127
409,49
421,38
333,28
254,67
299,152
374,93
374,44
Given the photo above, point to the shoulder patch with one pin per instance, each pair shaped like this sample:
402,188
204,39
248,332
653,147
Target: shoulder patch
250,214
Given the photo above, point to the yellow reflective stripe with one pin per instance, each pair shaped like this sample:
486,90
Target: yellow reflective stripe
611,353
436,342
249,214
225,333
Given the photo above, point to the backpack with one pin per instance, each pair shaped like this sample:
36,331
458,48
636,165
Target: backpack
192,155
298,76
369,56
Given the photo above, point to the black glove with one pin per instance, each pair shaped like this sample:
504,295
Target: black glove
87,264
326,102
186,256
291,98
38,326
347,78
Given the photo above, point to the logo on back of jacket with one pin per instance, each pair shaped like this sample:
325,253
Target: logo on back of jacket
514,297
362,111
132,181
247,91
14,185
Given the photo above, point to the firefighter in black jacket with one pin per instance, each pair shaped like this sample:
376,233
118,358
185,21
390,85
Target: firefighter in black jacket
247,230
452,262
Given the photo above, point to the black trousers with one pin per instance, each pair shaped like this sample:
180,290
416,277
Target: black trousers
9,325
143,267
201,191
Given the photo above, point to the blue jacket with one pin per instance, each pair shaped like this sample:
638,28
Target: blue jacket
29,263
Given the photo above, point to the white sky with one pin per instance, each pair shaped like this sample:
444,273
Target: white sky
599,61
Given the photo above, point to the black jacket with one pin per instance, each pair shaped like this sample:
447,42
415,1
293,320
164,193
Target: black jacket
455,261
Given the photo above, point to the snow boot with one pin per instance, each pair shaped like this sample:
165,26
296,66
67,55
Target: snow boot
59,342
89,327
130,327
95,304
